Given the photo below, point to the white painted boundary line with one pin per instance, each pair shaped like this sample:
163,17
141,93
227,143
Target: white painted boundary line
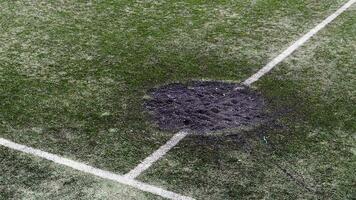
296,44
145,164
94,171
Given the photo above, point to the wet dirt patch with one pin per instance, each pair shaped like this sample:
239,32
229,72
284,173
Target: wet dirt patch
204,106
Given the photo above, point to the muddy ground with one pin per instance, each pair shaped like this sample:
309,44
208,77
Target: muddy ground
204,106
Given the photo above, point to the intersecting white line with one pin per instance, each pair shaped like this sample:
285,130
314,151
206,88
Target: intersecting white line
94,171
146,163
296,45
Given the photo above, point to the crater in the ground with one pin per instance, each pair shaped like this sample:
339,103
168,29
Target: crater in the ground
204,106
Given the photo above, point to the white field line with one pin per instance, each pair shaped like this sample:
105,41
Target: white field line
296,44
145,164
94,171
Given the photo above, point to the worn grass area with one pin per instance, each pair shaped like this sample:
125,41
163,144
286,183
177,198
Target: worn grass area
306,152
27,177
73,75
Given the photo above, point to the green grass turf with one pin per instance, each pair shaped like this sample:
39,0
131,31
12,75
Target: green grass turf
73,75
307,152
27,177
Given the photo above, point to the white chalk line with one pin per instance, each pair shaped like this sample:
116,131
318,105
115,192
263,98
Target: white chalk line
94,171
159,153
296,44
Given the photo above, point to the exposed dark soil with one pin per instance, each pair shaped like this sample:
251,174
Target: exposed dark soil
204,106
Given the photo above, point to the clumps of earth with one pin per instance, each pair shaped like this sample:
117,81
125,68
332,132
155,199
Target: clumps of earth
204,106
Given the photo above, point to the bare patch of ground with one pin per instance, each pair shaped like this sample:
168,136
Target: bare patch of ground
204,106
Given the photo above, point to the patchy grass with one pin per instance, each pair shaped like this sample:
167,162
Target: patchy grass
73,76
308,149
27,177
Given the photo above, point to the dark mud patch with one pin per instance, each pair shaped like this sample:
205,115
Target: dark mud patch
204,106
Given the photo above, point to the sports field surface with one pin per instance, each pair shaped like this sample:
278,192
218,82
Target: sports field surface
74,76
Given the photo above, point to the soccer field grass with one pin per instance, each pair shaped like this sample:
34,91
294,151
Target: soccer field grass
74,75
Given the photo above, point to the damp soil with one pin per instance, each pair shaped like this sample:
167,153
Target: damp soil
204,106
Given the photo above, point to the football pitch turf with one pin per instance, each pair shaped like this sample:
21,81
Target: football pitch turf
74,76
